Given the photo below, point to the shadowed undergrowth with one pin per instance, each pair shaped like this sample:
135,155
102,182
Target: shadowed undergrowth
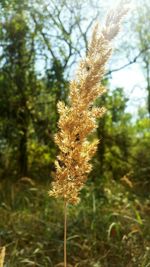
109,228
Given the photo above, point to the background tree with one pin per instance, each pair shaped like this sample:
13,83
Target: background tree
142,25
17,81
115,133
30,93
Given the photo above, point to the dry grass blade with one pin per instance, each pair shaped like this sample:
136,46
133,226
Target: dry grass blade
2,256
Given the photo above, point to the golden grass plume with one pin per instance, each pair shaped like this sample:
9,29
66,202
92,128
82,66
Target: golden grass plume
78,118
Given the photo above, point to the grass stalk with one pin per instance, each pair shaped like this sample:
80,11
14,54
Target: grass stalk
65,234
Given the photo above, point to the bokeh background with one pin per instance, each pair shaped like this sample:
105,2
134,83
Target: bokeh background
41,42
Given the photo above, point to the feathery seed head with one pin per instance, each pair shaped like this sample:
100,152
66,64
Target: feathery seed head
78,120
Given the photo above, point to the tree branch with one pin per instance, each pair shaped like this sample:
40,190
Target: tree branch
134,60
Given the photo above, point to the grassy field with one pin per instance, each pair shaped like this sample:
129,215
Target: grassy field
109,228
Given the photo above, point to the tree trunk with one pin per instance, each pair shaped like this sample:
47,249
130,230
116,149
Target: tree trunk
23,158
